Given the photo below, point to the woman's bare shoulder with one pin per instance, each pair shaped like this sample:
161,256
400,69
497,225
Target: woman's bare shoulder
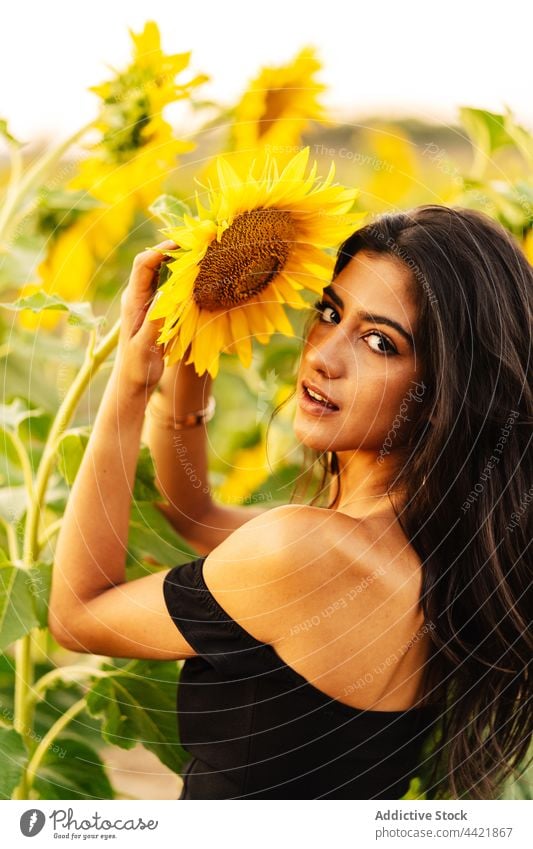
272,557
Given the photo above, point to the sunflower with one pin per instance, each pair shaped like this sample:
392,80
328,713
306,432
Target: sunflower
137,148
249,250
125,170
279,104
272,114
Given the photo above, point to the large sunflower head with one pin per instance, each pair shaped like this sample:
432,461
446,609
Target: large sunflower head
248,251
279,104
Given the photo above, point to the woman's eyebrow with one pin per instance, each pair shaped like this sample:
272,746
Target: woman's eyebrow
366,316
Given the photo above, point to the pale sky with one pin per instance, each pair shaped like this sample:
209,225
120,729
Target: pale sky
390,58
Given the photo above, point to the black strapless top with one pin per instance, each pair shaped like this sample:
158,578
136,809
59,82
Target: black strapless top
257,729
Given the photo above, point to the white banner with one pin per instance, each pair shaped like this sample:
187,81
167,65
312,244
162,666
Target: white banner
217,823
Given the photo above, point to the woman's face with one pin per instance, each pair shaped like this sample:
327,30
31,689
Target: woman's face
366,367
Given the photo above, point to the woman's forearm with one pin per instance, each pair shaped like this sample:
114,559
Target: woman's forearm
180,456
91,548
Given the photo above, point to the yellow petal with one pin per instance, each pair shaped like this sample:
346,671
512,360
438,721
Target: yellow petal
240,332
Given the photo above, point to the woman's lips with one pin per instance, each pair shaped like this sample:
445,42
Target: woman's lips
310,405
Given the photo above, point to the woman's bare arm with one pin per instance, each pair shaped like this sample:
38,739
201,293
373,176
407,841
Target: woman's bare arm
92,607
180,456
180,459
91,548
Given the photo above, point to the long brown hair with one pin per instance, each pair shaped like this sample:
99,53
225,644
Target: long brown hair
467,477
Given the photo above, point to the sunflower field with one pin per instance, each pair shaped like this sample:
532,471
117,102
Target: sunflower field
72,218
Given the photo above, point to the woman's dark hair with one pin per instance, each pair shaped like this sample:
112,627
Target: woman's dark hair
467,476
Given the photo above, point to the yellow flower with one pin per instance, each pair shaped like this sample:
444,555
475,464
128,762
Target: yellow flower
256,243
132,102
67,270
394,174
126,186
272,115
279,104
250,470
126,168
137,148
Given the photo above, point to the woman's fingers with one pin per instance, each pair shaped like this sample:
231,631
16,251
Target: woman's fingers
138,293
144,267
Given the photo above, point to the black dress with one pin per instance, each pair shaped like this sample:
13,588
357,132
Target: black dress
257,729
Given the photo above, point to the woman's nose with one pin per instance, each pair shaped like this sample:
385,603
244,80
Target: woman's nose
325,355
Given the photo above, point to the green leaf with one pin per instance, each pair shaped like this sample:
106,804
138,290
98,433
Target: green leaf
71,769
56,701
14,500
277,487
58,209
152,537
415,790
522,137
170,210
13,757
25,252
61,199
39,584
138,705
17,610
11,415
487,129
70,452
141,569
80,311
43,347
521,787
144,488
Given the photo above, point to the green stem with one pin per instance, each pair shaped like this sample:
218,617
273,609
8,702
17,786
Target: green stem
12,541
22,714
60,424
52,529
30,180
48,739
24,461
24,665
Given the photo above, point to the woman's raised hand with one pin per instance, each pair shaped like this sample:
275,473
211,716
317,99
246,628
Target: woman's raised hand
139,359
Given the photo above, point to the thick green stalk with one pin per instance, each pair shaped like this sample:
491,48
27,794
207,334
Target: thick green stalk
92,363
23,719
12,541
24,462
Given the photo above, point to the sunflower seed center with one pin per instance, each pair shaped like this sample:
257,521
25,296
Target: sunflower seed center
251,252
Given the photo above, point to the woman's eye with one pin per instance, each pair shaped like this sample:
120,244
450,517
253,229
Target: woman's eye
388,347
320,307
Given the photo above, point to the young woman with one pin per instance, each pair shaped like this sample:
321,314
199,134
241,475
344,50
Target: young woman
322,644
